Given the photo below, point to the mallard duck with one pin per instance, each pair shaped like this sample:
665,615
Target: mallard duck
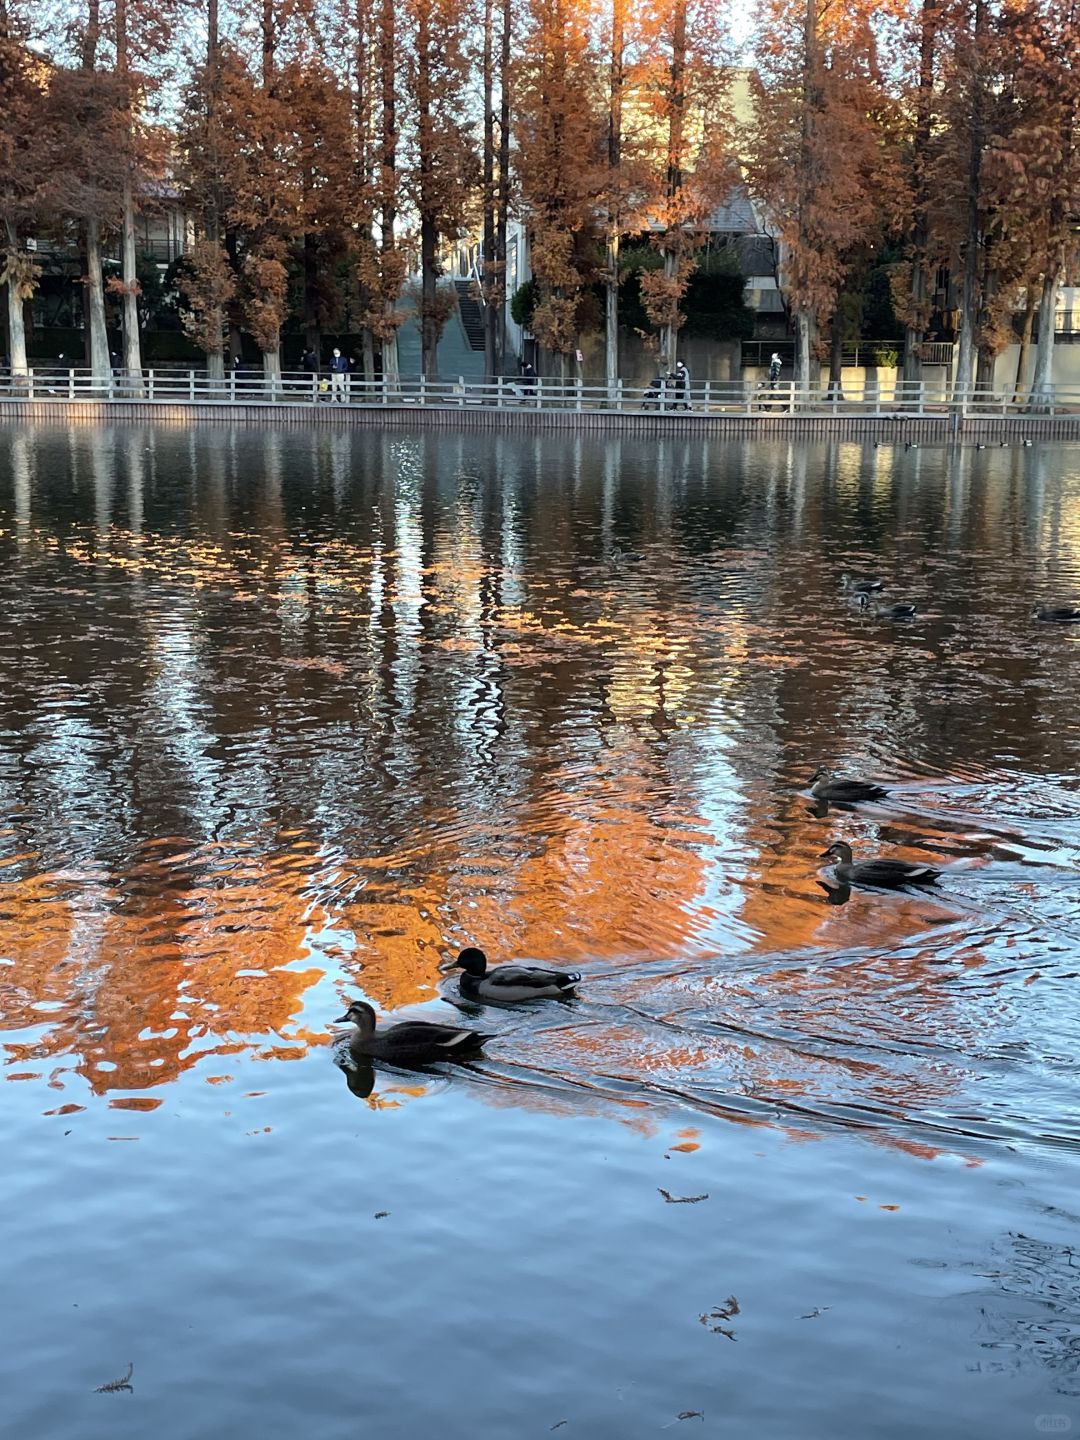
511,982
861,586
412,1042
1058,614
844,792
902,610
888,873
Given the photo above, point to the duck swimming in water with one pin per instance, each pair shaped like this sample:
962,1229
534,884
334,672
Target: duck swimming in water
877,872
412,1042
843,792
902,610
1057,614
511,982
864,586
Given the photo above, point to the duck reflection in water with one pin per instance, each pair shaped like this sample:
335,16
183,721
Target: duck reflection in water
836,894
359,1074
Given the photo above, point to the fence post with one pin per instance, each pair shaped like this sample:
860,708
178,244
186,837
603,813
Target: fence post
150,383
71,383
191,385
577,389
791,397
30,381
539,390
423,389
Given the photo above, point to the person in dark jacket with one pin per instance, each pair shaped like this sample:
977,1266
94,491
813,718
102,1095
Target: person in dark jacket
339,378
681,380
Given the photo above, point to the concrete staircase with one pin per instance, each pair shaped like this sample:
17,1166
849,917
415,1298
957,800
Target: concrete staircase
472,314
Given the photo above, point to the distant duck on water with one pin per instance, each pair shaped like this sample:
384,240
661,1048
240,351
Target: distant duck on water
412,1042
886,873
824,786
902,610
510,983
1057,614
856,585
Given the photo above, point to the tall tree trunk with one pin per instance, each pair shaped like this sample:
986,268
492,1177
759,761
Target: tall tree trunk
676,126
100,364
616,80
1042,380
487,272
388,182
16,326
271,355
132,347
272,365
969,304
502,215
836,357
215,356
429,238
312,330
128,263
918,303
804,317
984,368
429,326
1031,300
804,348
97,331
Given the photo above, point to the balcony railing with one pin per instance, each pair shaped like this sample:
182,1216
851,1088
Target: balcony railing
195,387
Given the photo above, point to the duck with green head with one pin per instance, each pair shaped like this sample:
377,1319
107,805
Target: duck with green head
511,983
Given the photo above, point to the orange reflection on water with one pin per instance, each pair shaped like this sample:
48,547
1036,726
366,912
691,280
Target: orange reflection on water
193,954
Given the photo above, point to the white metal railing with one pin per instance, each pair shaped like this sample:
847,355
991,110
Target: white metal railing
195,387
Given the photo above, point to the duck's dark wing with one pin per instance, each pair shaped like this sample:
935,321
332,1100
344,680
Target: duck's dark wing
421,1035
850,791
894,872
528,977
1063,614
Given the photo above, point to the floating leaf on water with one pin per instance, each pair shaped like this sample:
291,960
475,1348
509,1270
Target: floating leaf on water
124,1383
681,1199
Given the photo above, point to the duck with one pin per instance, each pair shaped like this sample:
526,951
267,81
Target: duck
844,792
902,610
412,1042
877,872
1057,614
511,982
861,586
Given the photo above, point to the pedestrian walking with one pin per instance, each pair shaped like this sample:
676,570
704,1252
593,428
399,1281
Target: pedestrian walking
682,387
339,378
775,366
309,365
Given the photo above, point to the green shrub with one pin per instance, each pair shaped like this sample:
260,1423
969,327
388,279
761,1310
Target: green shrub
523,304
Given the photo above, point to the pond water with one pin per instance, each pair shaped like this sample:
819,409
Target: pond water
287,718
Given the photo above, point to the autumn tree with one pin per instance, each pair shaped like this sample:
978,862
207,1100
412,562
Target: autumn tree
208,281
23,78
1046,150
316,108
817,163
496,180
682,88
444,164
381,265
560,134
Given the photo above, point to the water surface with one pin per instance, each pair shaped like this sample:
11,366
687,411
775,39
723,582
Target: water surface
288,718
